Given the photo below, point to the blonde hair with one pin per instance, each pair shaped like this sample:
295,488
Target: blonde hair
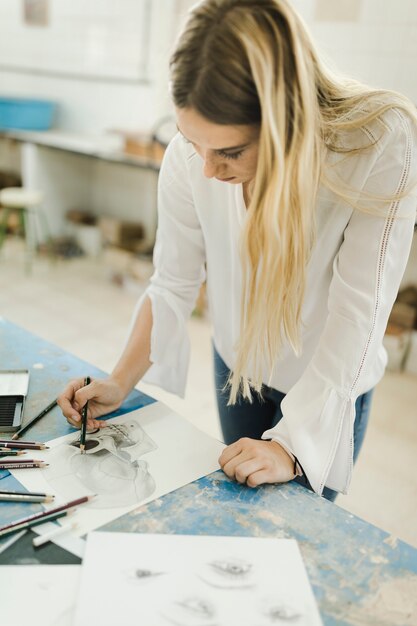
253,62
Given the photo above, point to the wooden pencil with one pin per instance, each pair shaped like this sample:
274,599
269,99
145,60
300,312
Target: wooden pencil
12,497
87,381
22,445
6,452
37,417
27,493
9,466
62,507
34,522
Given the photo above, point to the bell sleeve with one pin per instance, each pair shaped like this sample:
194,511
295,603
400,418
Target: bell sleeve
179,261
319,410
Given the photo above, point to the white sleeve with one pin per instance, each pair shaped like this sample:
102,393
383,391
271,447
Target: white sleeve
179,258
319,410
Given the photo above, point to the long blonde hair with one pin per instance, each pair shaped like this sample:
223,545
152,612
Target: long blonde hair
253,62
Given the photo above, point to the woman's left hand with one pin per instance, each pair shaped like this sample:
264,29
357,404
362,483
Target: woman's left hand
256,462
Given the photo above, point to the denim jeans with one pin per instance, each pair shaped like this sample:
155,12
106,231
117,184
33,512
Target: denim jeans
245,419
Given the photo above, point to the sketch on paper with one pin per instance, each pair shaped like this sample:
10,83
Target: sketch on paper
110,468
191,611
138,457
229,573
191,580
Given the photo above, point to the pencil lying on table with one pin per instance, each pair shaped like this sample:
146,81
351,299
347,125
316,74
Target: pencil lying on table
37,417
35,522
6,452
22,445
22,496
21,465
42,514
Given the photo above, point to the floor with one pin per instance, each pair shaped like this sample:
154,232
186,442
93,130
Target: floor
73,304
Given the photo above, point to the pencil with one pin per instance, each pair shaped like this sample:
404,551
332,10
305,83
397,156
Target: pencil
27,493
87,381
39,541
22,445
32,443
35,522
62,507
9,466
13,497
24,428
11,452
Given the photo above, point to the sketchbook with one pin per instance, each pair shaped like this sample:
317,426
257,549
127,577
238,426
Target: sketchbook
180,580
137,458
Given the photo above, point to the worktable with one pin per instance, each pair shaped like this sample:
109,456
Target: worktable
359,574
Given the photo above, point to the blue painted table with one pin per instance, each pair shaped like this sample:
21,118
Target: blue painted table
359,574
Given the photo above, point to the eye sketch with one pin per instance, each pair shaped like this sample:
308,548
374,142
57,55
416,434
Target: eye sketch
110,468
191,611
143,575
229,573
277,611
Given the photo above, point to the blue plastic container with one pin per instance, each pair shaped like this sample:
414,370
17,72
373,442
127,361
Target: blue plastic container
25,114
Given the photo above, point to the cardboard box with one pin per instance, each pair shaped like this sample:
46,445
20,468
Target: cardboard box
403,315
121,233
396,342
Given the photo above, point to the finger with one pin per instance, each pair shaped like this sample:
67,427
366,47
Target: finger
260,477
229,468
85,393
93,424
66,400
240,468
246,469
231,451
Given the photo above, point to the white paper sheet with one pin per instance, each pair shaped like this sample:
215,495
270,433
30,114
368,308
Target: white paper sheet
165,580
39,595
140,457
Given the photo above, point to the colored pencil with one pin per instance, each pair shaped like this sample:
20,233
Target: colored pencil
12,497
11,453
62,507
27,493
37,417
39,541
23,445
34,522
9,466
33,443
87,381
22,461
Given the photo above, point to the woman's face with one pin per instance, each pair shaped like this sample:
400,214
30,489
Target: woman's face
229,153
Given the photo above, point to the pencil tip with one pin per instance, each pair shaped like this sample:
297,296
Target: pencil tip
15,436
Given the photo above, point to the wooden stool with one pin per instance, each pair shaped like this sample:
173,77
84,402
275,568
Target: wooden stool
27,203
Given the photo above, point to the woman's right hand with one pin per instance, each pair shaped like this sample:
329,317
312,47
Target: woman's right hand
103,396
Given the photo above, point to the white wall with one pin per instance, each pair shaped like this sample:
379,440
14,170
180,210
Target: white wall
378,46
108,91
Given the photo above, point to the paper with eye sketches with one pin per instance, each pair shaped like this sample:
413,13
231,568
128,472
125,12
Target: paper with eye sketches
189,580
39,595
167,453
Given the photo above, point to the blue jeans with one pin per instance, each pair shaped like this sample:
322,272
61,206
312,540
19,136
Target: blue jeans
245,419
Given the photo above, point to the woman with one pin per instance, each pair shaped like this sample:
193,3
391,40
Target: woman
292,188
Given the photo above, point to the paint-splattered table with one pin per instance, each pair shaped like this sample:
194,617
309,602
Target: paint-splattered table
360,575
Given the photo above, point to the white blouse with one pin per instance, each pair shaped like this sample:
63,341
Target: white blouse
353,277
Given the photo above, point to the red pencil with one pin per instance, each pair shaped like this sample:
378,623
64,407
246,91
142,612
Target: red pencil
62,507
9,466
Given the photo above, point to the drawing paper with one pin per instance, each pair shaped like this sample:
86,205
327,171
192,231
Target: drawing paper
138,457
39,595
165,580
